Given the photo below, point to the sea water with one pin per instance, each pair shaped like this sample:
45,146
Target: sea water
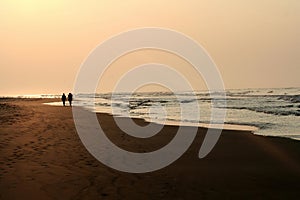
273,112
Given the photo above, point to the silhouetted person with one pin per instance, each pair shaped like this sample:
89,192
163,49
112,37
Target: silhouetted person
63,98
70,98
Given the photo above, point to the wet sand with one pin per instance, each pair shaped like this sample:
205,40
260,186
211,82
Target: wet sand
42,157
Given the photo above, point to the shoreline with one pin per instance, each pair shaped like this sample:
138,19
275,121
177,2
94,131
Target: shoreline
230,127
174,123
42,157
226,126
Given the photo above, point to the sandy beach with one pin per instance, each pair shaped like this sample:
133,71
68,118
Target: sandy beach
42,157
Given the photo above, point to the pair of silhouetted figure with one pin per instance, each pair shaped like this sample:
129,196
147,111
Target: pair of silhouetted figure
64,98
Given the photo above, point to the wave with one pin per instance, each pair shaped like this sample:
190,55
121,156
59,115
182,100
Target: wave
268,110
188,101
256,124
291,98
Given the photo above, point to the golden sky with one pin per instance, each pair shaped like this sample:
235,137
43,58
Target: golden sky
255,43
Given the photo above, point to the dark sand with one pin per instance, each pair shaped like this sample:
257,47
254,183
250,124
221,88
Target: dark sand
42,157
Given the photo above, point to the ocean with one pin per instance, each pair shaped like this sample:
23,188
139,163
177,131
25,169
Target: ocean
271,112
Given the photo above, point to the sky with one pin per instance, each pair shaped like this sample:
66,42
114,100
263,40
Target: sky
254,43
